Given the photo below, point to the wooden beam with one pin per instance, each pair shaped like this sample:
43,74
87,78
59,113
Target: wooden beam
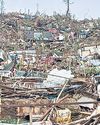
30,113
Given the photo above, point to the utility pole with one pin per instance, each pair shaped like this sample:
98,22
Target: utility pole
1,7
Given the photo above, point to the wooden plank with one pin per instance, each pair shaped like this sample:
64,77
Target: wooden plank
0,102
30,113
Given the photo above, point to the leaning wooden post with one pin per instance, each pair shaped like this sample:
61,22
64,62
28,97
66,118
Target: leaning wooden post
30,113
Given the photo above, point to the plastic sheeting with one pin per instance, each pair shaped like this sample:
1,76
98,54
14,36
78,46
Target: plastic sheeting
57,77
95,62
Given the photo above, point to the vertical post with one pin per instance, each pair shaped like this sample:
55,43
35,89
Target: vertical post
30,113
2,7
18,114
0,102
67,12
67,2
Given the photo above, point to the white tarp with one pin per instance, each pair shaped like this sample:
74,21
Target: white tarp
57,77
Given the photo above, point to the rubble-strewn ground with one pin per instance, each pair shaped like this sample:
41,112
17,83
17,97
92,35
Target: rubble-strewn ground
68,44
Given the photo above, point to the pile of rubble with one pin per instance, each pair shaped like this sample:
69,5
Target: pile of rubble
51,65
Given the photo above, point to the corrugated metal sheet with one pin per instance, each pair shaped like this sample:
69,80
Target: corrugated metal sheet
86,99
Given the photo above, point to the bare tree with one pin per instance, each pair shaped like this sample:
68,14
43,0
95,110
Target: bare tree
1,7
67,2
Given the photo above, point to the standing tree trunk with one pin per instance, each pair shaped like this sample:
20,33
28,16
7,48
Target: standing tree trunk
67,12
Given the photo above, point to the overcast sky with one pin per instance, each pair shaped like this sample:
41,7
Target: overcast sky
80,8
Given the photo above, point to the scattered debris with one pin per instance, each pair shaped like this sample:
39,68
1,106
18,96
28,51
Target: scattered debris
48,60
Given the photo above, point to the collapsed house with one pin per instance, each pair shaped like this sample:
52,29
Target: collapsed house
50,72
